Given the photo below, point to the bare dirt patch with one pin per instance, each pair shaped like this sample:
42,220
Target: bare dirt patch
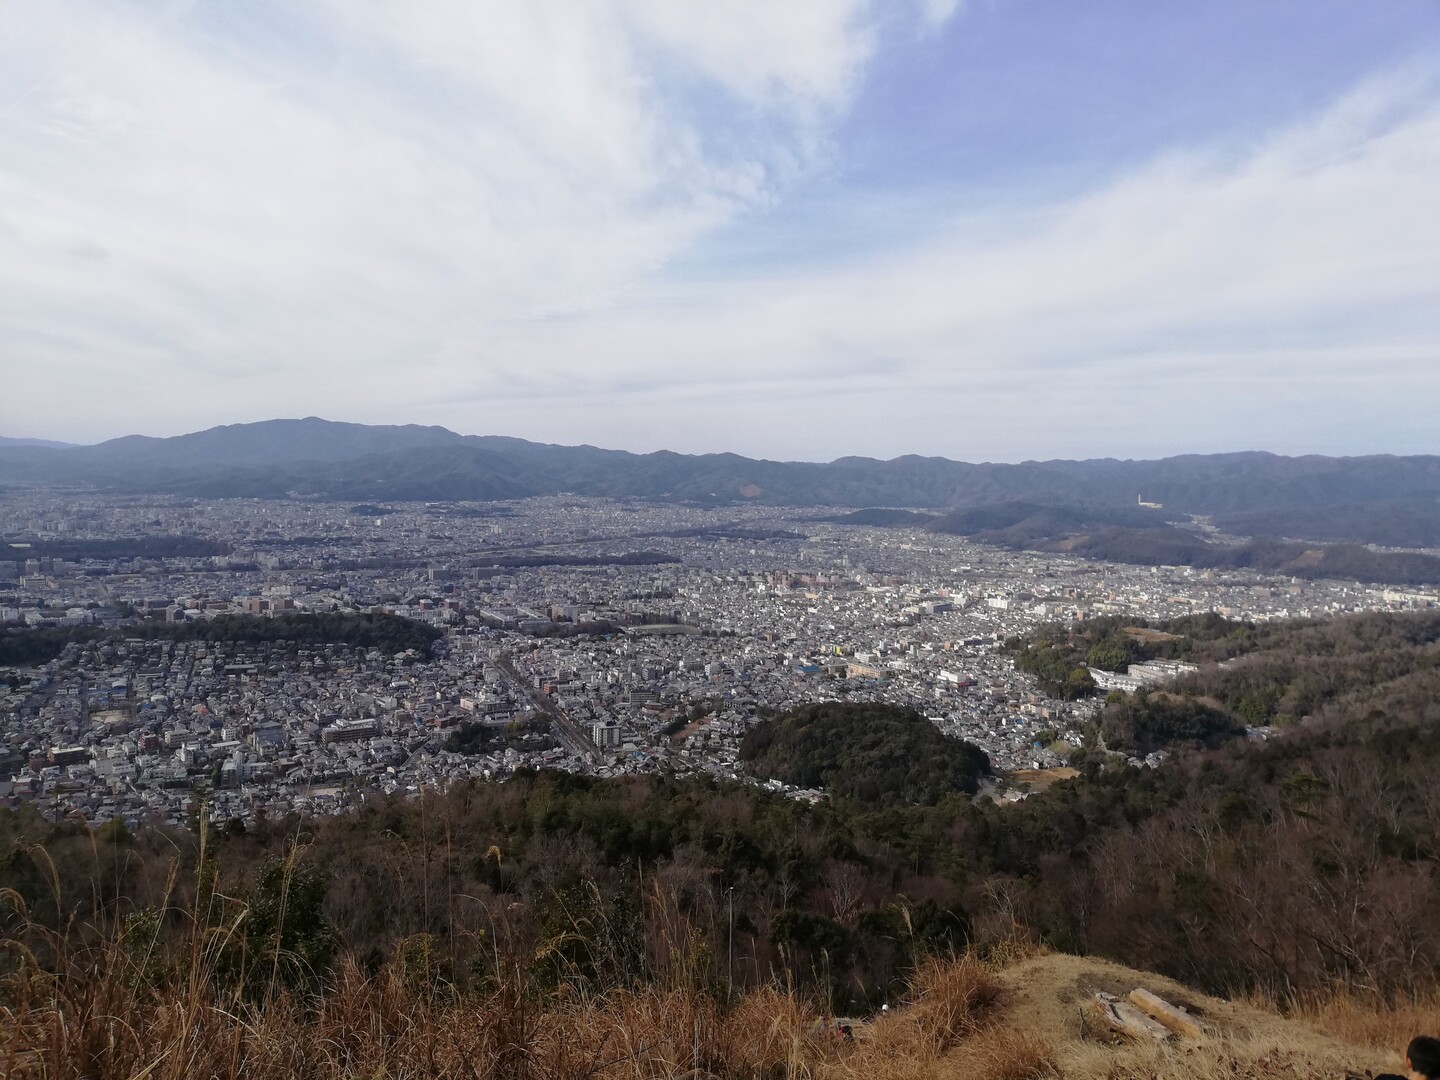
1147,635
1040,779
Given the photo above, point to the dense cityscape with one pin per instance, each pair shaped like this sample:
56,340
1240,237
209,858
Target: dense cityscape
633,540
588,635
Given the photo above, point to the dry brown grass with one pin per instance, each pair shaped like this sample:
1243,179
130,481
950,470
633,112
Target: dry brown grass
947,1003
1363,1023
1259,1057
1046,995
950,1000
1015,1015
1005,1053
378,1028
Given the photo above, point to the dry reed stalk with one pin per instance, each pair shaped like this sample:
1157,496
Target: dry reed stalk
1002,1053
1365,1022
947,1002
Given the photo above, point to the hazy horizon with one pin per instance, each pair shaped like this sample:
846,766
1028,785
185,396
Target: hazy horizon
988,230
19,439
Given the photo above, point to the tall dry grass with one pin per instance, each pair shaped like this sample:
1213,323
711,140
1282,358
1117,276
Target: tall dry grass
947,1003
93,1012
379,1027
112,1001
1362,1022
123,998
958,1020
158,995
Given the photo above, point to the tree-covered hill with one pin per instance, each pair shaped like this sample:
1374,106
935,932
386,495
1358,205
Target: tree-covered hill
876,754
1250,674
1059,654
1395,522
26,646
1376,499
1146,537
1289,866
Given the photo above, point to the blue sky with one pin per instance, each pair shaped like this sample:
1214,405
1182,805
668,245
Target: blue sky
989,230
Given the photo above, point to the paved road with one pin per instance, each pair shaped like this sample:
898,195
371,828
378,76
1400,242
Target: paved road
566,728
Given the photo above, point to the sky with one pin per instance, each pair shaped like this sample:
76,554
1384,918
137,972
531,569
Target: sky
990,230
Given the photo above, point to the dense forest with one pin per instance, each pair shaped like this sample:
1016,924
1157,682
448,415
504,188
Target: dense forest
469,737
872,753
1251,675
1405,522
26,646
1113,642
1172,547
1296,864
1059,655
1279,675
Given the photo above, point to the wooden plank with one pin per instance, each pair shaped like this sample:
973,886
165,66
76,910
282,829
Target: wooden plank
1127,1019
1173,1017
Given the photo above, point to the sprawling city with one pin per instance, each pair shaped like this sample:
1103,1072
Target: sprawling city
587,635
720,540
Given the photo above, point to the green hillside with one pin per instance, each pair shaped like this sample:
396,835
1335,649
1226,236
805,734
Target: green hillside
875,754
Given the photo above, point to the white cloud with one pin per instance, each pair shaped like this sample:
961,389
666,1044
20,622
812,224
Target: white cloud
298,203
1212,300
460,213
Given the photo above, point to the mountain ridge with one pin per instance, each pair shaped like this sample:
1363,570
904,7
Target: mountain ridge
315,458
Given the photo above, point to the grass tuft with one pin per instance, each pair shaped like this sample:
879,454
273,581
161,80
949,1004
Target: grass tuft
114,1003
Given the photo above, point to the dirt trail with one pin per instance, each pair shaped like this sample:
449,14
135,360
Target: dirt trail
1048,995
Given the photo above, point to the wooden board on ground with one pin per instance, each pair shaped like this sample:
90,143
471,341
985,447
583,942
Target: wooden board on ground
1171,1016
1128,1020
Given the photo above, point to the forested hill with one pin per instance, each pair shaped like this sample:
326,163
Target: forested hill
1250,675
1381,499
1297,864
1151,537
23,645
876,754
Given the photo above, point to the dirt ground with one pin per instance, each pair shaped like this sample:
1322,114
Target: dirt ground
1041,1025
1048,995
1040,779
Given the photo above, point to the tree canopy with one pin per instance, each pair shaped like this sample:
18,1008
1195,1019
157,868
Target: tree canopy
869,752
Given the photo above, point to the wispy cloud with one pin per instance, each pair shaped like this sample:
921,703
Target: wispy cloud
1215,298
344,189
463,213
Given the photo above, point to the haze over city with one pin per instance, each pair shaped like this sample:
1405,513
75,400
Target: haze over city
986,230
750,538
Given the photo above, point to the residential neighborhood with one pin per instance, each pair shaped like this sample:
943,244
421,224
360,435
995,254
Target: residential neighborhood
590,635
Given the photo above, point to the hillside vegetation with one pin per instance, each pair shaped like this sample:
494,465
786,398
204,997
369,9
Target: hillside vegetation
1146,538
567,925
1365,668
1017,1014
872,753
23,646
1059,655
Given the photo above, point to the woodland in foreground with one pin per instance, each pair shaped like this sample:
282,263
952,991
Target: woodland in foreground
1304,864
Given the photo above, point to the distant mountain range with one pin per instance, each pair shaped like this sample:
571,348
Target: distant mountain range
1145,537
47,443
1381,499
